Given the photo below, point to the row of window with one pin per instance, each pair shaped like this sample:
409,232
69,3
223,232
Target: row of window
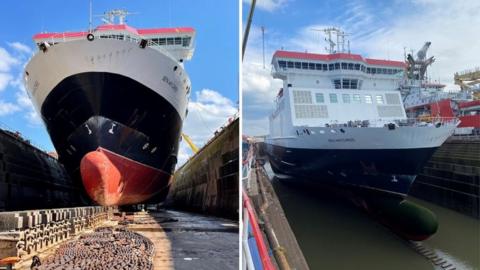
347,84
347,98
185,41
335,66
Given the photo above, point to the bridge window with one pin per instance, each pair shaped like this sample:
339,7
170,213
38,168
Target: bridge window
368,99
379,99
337,84
290,64
311,65
318,66
369,70
330,66
344,65
319,98
170,41
357,66
362,68
350,66
346,83
346,98
333,98
282,64
186,41
298,65
353,84
337,65
357,99
304,65
325,67
178,41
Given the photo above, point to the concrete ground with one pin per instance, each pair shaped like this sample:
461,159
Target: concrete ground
189,241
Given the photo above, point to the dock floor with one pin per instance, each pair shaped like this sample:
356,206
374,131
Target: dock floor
189,241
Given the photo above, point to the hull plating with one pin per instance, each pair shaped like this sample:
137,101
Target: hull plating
387,171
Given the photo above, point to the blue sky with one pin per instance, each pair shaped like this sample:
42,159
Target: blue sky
378,29
213,69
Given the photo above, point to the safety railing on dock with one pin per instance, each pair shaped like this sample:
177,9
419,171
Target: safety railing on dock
254,249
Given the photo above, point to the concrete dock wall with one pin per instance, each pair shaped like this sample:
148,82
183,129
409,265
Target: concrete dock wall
451,177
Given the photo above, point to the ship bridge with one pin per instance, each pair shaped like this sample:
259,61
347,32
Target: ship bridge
178,42
337,70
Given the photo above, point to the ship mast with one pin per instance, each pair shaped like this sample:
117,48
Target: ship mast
340,40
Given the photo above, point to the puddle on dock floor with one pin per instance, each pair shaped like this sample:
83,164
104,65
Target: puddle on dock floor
333,234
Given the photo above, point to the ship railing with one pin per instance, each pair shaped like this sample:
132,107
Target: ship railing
406,122
254,249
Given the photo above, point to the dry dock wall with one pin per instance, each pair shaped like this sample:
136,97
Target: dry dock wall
30,178
208,182
451,177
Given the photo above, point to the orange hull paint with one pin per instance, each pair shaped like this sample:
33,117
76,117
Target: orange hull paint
112,179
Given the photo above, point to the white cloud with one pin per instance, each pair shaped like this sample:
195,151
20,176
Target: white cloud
7,108
5,79
20,47
7,61
269,5
208,112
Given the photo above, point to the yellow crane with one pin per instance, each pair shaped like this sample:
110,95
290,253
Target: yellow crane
190,143
468,79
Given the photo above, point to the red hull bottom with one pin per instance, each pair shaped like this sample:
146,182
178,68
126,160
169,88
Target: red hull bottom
112,179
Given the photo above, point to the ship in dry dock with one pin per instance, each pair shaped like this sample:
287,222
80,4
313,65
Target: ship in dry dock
113,100
340,116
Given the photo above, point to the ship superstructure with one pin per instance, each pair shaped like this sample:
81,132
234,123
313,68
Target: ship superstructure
426,100
114,99
340,116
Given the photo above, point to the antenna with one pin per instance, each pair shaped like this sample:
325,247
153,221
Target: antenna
90,19
263,45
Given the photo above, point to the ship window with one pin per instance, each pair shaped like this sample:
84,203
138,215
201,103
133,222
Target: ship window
304,65
319,98
357,66
282,64
186,41
337,65
346,98
369,70
325,67
170,41
333,98
357,99
344,65
368,99
353,84
384,71
363,68
290,64
302,97
162,41
330,66
350,66
311,65
298,65
373,70
178,40
318,66
379,99
336,84
389,71
346,83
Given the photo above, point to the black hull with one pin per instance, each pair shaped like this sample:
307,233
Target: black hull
97,109
384,171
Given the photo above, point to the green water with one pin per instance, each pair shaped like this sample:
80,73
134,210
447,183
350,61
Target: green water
333,234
